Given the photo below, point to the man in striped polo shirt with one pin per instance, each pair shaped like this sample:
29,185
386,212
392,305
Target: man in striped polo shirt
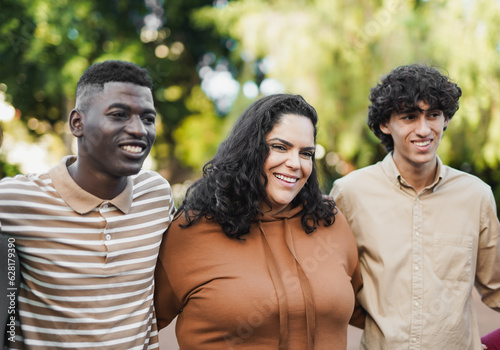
87,232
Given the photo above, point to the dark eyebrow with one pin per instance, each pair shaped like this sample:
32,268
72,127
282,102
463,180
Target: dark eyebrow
281,140
410,110
128,109
119,105
418,109
290,144
309,148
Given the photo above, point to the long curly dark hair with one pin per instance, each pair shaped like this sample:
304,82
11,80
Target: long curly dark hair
234,183
403,88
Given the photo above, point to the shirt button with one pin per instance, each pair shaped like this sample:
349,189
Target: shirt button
417,234
413,340
416,303
416,268
108,237
105,206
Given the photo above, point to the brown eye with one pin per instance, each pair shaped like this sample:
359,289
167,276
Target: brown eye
119,115
150,120
278,147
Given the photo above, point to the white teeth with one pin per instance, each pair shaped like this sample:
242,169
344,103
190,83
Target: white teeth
421,144
132,149
286,178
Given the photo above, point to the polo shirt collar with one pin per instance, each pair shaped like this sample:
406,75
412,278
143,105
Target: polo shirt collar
80,200
397,179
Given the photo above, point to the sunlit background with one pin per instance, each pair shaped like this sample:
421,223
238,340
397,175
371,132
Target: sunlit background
210,60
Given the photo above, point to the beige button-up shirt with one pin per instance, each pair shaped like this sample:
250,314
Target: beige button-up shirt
421,255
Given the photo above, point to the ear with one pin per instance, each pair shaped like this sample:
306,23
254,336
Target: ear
76,123
383,127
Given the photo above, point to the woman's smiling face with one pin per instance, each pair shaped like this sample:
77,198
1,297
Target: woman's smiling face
290,160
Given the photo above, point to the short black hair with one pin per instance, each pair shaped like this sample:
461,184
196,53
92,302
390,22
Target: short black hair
98,74
403,88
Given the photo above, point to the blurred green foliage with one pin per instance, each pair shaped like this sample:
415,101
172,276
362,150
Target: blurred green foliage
7,169
333,52
46,46
330,51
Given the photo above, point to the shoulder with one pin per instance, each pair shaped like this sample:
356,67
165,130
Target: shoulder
179,229
360,176
148,181
148,175
342,225
359,181
455,178
341,236
340,228
24,184
202,235
25,179
458,184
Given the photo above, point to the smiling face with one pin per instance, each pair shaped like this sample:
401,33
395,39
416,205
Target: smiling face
416,136
290,160
117,130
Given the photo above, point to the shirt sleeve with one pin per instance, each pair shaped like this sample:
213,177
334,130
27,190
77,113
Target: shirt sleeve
488,260
167,305
358,316
172,205
336,194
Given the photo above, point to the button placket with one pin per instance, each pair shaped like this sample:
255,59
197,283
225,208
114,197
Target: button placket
417,275
102,210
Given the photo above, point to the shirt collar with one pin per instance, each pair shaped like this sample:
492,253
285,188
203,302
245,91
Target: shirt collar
390,168
80,200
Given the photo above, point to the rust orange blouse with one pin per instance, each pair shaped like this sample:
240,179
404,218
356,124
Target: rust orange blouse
280,288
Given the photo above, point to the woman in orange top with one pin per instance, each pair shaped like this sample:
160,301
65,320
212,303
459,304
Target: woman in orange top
257,257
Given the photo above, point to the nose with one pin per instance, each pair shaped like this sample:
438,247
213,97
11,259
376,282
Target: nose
293,161
422,128
136,127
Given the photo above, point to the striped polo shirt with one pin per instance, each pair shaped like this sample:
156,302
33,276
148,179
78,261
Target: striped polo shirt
87,264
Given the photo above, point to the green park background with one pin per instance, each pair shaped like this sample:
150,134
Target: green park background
210,59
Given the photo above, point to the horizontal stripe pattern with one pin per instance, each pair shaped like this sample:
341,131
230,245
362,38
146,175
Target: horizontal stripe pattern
87,278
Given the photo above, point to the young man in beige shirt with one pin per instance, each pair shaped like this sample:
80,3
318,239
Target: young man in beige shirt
426,233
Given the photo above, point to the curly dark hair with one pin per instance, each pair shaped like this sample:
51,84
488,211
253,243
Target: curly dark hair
403,88
234,183
95,76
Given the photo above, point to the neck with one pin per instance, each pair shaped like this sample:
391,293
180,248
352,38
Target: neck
100,185
272,211
419,176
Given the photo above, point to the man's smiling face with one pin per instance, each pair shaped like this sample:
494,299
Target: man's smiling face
117,129
416,135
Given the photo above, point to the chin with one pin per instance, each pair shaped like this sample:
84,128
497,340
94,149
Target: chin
128,171
284,204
